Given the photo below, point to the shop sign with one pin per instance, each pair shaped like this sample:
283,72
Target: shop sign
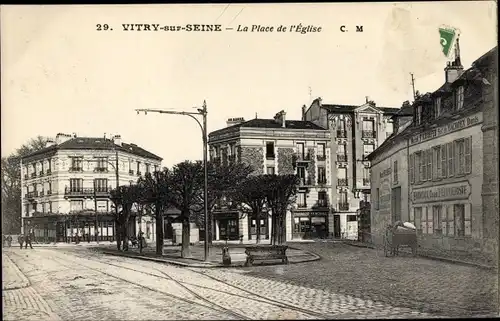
455,191
386,172
448,128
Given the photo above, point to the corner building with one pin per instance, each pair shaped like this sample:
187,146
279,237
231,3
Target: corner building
65,186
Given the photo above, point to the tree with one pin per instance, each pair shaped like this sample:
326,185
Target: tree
280,195
186,184
155,193
222,177
251,194
125,197
11,184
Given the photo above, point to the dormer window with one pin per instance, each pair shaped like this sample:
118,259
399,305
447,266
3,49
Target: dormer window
460,97
437,107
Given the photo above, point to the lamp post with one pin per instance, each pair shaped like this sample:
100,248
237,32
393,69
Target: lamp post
203,126
117,177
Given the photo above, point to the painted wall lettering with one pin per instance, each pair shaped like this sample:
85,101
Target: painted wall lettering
454,191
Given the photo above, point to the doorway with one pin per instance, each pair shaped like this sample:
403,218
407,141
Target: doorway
396,204
336,226
228,229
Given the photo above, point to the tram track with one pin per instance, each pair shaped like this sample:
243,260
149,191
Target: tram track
250,295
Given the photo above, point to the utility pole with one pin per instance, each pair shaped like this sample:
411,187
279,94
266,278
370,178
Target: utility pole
413,85
203,126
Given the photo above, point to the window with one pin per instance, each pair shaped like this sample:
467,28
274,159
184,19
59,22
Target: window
270,170
232,149
451,168
301,149
341,149
352,218
437,216
368,148
462,220
412,168
444,161
342,126
377,198
301,173
389,128
419,166
436,162
426,221
49,188
321,175
366,175
102,206
460,156
301,200
468,155
429,164
342,176
76,164
368,125
75,184
102,163
343,205
460,97
148,166
322,199
447,221
138,169
101,185
270,150
76,205
395,172
156,168
321,151
437,107
418,217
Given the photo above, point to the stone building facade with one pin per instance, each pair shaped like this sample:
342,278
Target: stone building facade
450,154
278,146
66,185
355,131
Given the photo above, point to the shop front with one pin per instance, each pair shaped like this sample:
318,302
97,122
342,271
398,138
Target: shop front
310,225
263,227
227,226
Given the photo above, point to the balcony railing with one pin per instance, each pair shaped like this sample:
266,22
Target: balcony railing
76,169
321,157
80,191
100,169
368,134
270,156
131,172
49,192
302,157
33,175
301,205
341,134
49,171
40,173
26,176
305,182
322,180
366,181
342,182
41,193
341,158
32,194
343,206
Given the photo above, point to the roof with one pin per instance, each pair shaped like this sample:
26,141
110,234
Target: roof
387,143
486,58
96,143
350,108
271,123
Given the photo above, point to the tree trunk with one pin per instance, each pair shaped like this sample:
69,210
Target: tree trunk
186,249
159,232
274,229
125,235
118,235
210,232
257,239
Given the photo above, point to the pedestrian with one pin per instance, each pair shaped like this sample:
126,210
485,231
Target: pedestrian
9,241
20,239
27,240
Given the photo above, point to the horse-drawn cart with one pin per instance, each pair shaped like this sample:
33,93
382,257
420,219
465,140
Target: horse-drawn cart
398,235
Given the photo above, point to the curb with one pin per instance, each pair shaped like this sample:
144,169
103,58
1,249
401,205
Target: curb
197,265
24,283
432,257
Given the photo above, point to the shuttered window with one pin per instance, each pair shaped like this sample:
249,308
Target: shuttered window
429,164
423,166
412,169
444,162
468,155
451,168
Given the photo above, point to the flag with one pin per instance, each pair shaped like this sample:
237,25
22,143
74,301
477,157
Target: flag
447,36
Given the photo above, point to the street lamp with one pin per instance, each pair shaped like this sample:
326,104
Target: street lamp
117,177
203,112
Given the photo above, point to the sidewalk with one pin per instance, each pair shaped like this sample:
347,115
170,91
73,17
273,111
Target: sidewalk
433,255
12,277
172,255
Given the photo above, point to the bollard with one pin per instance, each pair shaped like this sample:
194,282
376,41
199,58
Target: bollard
226,257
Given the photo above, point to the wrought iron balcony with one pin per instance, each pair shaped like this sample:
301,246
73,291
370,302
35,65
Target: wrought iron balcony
322,180
131,172
100,169
270,156
49,171
304,181
323,203
32,194
40,173
321,157
76,169
341,158
343,206
85,192
366,181
341,134
368,134
33,175
302,157
342,182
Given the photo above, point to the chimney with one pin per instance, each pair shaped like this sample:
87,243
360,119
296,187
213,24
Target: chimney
117,139
454,69
280,118
304,108
235,121
61,138
50,142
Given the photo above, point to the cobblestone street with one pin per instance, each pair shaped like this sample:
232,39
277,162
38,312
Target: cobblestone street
81,284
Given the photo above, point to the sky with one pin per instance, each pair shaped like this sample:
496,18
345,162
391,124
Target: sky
61,75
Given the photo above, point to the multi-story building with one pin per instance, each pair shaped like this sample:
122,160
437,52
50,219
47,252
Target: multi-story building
66,185
440,172
355,132
277,146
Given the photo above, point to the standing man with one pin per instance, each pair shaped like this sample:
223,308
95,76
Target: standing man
27,240
9,241
20,239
